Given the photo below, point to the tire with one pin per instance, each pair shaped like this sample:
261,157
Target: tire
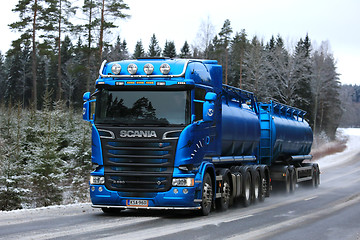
223,203
111,211
256,186
293,180
207,195
317,176
287,183
246,186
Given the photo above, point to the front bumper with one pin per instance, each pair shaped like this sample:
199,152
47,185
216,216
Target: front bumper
175,198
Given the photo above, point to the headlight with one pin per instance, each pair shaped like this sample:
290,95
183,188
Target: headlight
165,68
132,68
183,182
97,180
116,69
148,68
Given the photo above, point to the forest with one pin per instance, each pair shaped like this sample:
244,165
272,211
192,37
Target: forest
44,144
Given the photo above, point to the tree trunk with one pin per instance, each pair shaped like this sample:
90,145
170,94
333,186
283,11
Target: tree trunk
101,43
34,62
59,56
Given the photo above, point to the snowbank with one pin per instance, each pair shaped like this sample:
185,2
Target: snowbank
352,148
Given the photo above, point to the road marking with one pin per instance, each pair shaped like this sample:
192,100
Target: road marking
240,218
310,198
267,232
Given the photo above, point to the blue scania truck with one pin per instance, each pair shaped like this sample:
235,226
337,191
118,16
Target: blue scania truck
167,134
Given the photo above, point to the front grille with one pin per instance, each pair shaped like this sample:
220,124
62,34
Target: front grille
138,165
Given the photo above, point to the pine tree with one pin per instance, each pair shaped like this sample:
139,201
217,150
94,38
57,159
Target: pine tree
57,17
12,172
13,82
303,74
325,84
2,77
30,11
239,45
169,49
154,48
224,35
118,51
47,166
114,9
139,50
185,51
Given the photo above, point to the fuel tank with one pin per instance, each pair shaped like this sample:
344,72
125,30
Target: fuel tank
240,130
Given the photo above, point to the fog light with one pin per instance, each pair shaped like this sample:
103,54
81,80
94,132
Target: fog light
92,188
176,191
100,189
185,191
165,68
148,68
116,69
132,68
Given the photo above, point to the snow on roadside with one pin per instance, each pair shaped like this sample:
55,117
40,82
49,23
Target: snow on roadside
352,148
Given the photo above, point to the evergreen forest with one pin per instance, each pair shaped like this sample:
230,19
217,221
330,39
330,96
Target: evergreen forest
45,146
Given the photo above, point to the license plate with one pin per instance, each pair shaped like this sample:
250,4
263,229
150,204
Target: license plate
137,203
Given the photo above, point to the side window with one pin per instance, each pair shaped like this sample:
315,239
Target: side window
199,100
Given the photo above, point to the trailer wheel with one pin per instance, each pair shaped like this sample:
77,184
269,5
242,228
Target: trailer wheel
111,211
287,183
292,181
317,176
224,202
317,179
256,187
246,196
207,195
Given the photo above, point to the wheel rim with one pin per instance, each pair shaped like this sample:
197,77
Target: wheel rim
247,189
226,192
256,188
207,195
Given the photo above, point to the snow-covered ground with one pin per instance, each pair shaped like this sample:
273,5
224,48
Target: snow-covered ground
352,148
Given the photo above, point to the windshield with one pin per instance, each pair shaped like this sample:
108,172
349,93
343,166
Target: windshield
143,107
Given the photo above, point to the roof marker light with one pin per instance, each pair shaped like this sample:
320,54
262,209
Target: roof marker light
116,69
132,68
148,68
165,68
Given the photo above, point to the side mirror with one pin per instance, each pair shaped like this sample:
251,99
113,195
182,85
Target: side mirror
86,96
86,111
208,107
87,107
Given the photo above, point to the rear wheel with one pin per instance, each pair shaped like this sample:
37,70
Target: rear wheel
224,202
287,182
246,195
292,180
256,186
317,176
207,195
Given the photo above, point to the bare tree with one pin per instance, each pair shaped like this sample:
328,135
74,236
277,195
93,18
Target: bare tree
204,37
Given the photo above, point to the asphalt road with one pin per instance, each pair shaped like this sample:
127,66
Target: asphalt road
331,211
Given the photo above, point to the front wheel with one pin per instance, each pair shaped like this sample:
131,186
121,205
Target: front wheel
207,195
111,211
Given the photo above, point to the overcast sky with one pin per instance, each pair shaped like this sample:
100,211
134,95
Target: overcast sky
335,21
